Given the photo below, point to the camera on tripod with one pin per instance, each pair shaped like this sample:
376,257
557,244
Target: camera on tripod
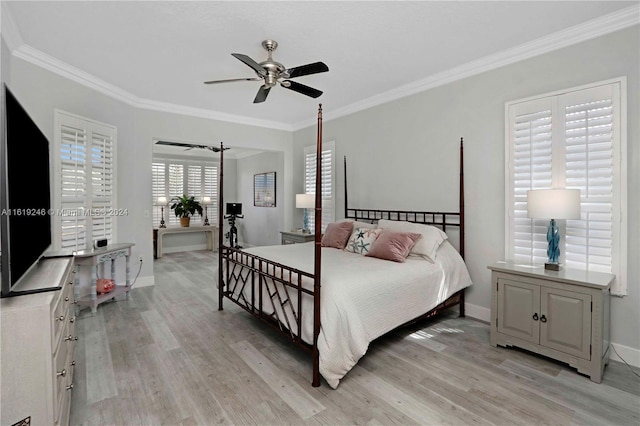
233,212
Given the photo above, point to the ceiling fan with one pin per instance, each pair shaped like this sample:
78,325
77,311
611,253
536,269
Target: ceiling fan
273,72
189,146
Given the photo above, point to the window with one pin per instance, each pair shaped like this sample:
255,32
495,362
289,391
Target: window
571,139
328,182
174,177
84,182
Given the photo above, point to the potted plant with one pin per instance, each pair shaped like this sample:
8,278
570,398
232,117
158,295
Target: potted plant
184,207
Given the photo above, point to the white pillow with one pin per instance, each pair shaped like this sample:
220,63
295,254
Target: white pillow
431,239
357,224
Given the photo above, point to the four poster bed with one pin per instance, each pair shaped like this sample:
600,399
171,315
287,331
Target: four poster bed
363,297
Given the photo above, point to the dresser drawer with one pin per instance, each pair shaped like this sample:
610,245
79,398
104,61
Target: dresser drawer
60,373
61,312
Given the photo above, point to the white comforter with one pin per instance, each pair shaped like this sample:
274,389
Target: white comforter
362,297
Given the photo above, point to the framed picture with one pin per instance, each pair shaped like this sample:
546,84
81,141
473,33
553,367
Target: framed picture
264,189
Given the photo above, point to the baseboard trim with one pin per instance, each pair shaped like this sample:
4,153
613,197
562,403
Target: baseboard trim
144,281
478,312
630,355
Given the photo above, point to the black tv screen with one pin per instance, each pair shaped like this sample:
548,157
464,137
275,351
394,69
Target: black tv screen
25,200
234,208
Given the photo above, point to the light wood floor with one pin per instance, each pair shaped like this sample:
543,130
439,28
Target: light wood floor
168,356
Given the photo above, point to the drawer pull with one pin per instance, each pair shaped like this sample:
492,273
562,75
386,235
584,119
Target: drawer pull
70,337
73,319
69,387
535,316
66,299
73,363
62,373
543,319
61,318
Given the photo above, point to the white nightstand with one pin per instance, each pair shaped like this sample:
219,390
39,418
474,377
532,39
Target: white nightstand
560,314
296,237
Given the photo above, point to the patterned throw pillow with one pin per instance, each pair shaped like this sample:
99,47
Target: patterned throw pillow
362,239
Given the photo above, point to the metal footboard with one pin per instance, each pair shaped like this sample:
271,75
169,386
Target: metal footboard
267,290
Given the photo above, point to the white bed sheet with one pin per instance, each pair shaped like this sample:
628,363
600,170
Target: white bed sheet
363,298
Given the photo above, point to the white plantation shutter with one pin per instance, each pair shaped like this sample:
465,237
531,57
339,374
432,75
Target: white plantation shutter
176,189
102,197
531,158
173,177
327,182
210,189
589,129
84,159
570,140
158,189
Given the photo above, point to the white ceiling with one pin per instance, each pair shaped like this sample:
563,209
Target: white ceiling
157,54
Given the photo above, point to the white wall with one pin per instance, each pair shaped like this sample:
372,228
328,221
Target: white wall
41,91
261,226
404,155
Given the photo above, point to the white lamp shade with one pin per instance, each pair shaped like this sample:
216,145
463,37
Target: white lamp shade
305,201
553,203
206,200
161,201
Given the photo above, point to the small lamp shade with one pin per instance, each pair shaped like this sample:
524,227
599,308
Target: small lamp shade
162,201
206,200
305,201
553,204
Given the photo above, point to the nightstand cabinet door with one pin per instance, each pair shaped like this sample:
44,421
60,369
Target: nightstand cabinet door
566,324
519,310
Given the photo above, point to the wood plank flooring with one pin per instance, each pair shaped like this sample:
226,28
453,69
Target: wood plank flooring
167,356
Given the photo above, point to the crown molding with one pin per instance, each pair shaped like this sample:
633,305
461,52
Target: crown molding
595,28
606,24
9,29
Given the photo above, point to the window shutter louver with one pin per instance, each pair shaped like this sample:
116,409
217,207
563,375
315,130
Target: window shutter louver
531,170
589,167
572,140
327,182
84,182
211,191
176,188
174,177
158,189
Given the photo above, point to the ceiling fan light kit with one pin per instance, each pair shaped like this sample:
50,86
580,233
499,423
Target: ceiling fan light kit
272,73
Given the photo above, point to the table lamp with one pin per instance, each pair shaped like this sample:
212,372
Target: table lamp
306,202
553,204
162,201
206,201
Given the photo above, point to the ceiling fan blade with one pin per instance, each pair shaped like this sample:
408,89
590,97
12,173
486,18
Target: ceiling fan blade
232,79
301,88
253,64
190,146
261,96
314,68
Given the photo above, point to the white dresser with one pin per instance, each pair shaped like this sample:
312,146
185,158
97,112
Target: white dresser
560,314
38,343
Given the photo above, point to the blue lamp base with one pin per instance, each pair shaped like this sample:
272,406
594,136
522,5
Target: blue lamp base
553,250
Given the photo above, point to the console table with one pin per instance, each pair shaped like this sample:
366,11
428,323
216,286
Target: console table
210,232
95,257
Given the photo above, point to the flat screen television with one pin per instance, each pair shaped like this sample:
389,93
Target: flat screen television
25,194
234,209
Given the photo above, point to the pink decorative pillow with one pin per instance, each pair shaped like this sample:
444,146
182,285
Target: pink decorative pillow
337,234
393,245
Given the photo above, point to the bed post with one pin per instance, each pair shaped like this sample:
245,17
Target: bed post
220,227
462,238
317,265
346,202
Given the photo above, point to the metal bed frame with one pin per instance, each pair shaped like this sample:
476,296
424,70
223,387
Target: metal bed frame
239,270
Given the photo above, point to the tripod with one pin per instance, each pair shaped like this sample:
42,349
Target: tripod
232,235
